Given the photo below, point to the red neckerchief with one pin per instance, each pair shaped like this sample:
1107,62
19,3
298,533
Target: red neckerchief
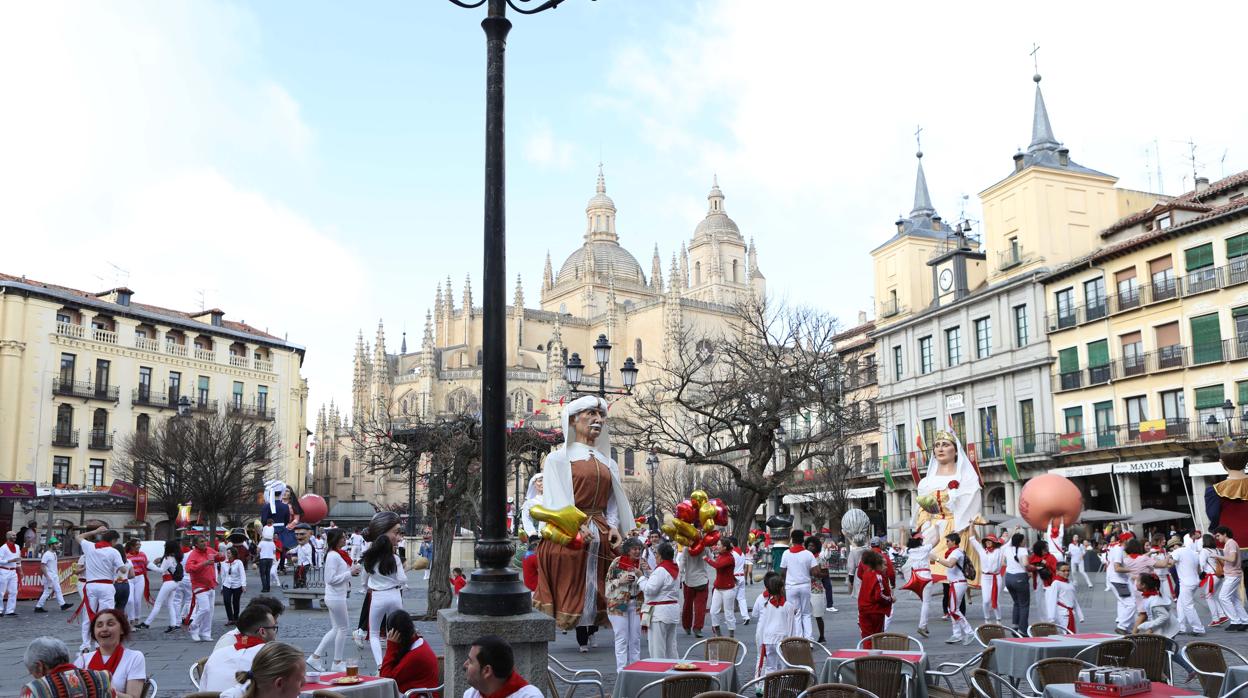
1059,578
627,563
797,548
102,544
671,568
98,664
776,601
1133,555
1147,594
949,550
345,557
736,550
245,641
514,683
11,546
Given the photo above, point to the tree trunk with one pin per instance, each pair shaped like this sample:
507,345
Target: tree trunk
743,520
440,595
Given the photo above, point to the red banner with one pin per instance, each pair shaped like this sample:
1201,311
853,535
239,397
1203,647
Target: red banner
30,581
140,505
121,488
17,490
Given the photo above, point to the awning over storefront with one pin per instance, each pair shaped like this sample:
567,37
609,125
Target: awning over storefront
1211,469
852,493
861,492
1149,466
1084,470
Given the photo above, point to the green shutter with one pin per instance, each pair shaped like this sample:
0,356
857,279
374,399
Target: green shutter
1240,311
1211,396
1200,257
1243,394
1098,354
1068,360
1206,339
1237,246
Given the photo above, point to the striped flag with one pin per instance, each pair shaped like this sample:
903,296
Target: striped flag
1007,447
888,475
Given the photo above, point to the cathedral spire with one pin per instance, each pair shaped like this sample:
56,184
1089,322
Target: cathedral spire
450,301
426,343
437,300
548,274
684,266
600,213
715,199
753,271
656,270
379,349
1042,137
517,302
922,200
673,278
403,344
467,294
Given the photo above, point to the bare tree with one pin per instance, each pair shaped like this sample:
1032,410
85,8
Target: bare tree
216,461
721,398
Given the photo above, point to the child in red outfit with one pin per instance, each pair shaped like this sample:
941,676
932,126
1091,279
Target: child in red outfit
874,599
457,580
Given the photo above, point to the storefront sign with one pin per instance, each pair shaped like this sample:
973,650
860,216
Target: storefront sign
1084,470
861,492
17,490
1149,466
1211,469
30,581
954,401
121,488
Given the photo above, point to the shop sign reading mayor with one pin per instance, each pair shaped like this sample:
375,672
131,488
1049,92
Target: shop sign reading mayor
1125,467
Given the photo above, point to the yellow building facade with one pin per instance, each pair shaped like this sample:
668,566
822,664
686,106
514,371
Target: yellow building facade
1149,334
80,371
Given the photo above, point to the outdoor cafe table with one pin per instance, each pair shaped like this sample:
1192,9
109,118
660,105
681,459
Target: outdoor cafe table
1160,690
919,659
636,675
372,687
1015,655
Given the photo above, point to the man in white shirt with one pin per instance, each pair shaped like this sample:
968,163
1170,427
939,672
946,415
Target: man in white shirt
10,559
101,562
1074,553
695,580
1124,618
256,626
357,546
490,670
49,568
266,554
739,561
1187,564
795,566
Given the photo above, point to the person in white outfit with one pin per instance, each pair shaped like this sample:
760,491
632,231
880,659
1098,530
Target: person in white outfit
1157,616
796,565
266,556
777,618
1187,564
1209,580
233,584
169,566
10,560
738,572
339,569
661,589
956,579
1054,537
386,577
1116,579
1232,579
623,595
532,498
48,567
1061,599
918,548
991,562
1075,553
101,562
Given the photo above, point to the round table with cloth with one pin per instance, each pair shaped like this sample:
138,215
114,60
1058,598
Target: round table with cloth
630,681
1160,690
918,687
1015,655
372,687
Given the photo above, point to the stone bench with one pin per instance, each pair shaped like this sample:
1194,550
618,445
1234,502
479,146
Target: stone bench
306,599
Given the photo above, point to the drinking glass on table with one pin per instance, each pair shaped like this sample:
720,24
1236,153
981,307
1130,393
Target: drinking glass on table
353,667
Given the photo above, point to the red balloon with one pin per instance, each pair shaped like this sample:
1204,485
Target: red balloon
711,539
698,546
314,508
686,512
1049,496
721,514
577,542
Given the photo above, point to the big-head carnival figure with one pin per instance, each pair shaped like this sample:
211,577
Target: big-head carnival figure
950,492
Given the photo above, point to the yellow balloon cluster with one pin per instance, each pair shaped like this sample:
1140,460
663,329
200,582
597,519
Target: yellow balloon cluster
562,525
695,521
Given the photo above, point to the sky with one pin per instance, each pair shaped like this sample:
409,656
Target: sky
314,167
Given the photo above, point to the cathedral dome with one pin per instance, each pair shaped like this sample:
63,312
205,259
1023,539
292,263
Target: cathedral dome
716,221
602,257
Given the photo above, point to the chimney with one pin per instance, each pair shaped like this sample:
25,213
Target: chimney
1202,183
1063,156
1018,161
862,317
901,225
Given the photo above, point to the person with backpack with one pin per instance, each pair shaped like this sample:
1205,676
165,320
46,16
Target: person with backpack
956,571
169,565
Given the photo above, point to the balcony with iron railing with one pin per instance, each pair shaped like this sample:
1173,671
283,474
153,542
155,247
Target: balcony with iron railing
147,398
861,378
64,437
1011,257
1194,283
890,307
252,411
99,440
1173,357
1121,435
105,336
865,422
67,387
1034,444
204,406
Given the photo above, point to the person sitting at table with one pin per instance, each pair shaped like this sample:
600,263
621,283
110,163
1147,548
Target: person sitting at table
1061,601
490,670
47,660
777,620
256,627
409,660
278,671
273,604
662,592
126,666
874,599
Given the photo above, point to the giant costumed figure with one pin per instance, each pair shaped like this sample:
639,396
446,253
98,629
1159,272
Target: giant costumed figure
581,485
950,492
1226,503
277,507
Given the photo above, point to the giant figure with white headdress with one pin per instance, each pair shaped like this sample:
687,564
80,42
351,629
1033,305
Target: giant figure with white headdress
571,579
951,492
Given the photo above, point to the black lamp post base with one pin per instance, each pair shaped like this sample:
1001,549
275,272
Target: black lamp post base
495,593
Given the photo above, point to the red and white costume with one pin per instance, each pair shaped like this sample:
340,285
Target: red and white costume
1062,603
100,562
992,576
957,590
10,559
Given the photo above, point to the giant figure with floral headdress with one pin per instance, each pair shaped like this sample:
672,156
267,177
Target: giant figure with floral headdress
571,579
950,492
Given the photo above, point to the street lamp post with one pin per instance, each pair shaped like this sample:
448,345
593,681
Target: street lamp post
574,371
494,588
652,464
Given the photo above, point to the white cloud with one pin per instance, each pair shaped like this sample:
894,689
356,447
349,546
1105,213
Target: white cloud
546,151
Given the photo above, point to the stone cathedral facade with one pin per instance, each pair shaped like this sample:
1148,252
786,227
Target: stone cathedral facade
599,289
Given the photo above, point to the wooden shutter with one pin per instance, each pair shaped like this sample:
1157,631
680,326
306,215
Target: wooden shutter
1199,257
1160,264
1206,339
1068,360
1098,353
1133,338
1124,275
1241,311
1237,246
1168,335
1209,397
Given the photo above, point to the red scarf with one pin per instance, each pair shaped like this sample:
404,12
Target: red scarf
1059,578
797,548
245,641
98,664
1133,555
1147,594
102,544
671,568
514,683
11,546
345,557
949,550
776,601
627,562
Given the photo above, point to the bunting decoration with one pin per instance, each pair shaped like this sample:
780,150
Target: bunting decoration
1007,448
888,475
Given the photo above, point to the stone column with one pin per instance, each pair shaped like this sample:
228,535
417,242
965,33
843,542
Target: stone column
527,634
1129,492
1011,498
1198,483
892,508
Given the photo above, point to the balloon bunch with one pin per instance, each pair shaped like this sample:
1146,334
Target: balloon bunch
756,534
695,520
562,525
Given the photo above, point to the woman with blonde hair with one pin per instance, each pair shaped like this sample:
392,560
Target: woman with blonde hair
277,671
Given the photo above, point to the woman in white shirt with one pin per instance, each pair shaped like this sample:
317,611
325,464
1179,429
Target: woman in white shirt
126,666
386,578
339,569
1016,555
233,584
266,551
167,596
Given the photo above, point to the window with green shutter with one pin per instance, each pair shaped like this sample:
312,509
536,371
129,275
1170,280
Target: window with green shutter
1098,353
1243,394
1237,246
1206,339
1209,397
1200,257
1068,360
1241,311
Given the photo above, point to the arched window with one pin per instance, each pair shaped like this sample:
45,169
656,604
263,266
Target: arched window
628,461
697,272
450,403
528,406
598,222
142,425
346,466
479,355
615,454
64,419
99,421
735,278
637,350
403,406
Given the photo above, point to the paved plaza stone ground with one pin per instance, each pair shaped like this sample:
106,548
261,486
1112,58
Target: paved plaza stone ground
170,656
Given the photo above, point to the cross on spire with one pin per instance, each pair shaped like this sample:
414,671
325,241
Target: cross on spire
1035,59
918,143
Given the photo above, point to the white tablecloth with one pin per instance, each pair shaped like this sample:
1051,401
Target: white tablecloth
1012,658
375,688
